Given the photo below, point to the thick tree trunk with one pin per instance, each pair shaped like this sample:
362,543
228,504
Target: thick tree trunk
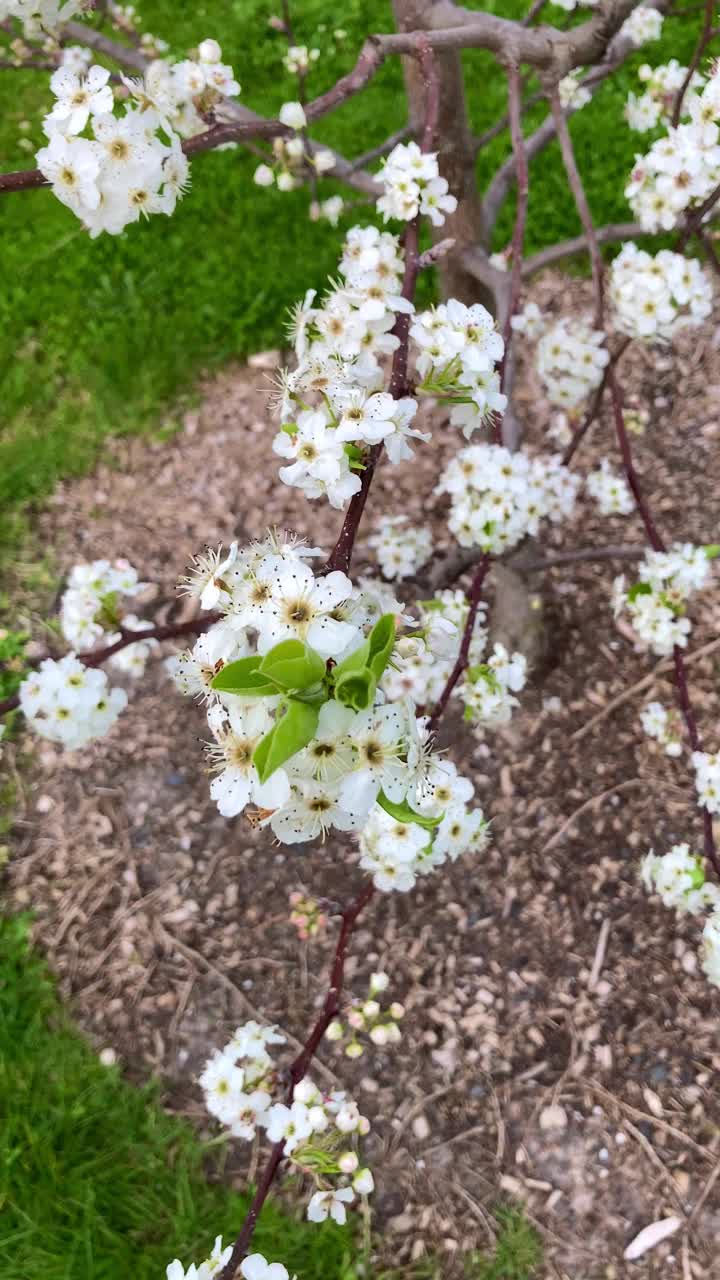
455,151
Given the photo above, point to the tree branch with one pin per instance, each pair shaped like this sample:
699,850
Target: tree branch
474,598
579,244
704,38
298,1070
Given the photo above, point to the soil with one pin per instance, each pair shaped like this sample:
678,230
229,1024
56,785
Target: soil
561,1045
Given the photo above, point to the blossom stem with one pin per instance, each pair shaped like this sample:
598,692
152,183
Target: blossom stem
474,599
298,1070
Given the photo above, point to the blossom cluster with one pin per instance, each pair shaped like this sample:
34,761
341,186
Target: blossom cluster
679,879
306,916
609,490
368,1018
643,25
401,548
316,1128
661,724
291,674
655,104
89,606
488,688
570,358
133,165
412,185
707,780
423,660
70,703
497,498
655,603
396,852
573,95
656,296
458,350
40,17
339,345
681,168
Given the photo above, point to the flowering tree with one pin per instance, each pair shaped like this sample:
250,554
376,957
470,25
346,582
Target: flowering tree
323,694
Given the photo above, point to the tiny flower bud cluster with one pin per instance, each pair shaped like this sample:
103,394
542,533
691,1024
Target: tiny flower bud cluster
294,161
306,915
662,85
396,852
69,703
367,1017
299,59
573,95
661,724
655,297
400,547
656,602
497,498
707,780
459,347
609,490
683,167
412,185
643,25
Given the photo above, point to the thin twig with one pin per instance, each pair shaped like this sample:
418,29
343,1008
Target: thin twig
706,33
461,663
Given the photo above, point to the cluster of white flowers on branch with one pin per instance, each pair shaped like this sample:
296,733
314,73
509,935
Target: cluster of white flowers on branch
655,603
655,297
682,168
678,877
657,102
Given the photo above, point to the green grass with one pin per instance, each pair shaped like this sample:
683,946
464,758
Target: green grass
106,337
96,1181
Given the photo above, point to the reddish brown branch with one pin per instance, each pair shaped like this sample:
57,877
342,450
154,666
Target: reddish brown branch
518,238
298,1070
594,406
474,598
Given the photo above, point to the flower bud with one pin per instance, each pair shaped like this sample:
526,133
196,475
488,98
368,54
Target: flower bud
209,51
285,181
363,1126
305,1091
335,1031
354,1050
348,1162
363,1182
264,176
397,1010
292,114
378,982
371,1009
356,1020
379,1035
323,161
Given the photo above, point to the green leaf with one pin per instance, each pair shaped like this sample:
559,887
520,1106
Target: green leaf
244,676
288,735
481,671
403,813
290,428
355,661
293,665
356,689
712,551
381,640
639,589
355,456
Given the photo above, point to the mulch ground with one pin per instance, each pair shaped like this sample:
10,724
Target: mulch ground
561,1046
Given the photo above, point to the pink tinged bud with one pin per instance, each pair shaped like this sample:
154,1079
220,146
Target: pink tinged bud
356,1020
371,1009
397,1010
348,1162
364,1125
379,1035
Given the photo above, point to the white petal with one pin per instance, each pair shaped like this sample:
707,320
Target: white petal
650,1236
